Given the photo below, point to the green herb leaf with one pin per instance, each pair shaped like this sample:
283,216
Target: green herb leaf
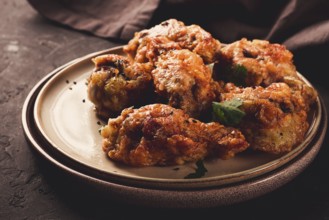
237,74
200,171
228,112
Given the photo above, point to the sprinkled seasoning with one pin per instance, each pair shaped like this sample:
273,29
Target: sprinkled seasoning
98,122
67,81
176,168
83,100
74,83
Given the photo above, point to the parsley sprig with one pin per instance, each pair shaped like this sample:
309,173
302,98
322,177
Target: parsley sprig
200,171
236,74
228,112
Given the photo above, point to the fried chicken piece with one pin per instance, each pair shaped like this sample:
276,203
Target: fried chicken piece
115,84
254,63
261,63
275,120
172,34
181,77
161,135
300,88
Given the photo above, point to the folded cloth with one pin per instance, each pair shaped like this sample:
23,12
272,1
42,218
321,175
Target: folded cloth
294,23
111,19
302,26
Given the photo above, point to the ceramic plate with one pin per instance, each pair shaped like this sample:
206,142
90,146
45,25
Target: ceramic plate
67,120
168,198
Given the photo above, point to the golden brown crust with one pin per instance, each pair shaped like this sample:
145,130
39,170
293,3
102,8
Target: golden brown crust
181,77
161,135
276,101
265,62
171,35
115,84
275,120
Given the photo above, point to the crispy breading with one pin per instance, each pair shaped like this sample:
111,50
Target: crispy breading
185,81
275,120
300,88
115,84
264,62
158,134
172,35
261,63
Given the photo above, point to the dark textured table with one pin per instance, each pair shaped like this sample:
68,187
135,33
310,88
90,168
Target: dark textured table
30,188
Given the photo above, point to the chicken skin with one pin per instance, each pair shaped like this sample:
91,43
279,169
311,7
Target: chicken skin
300,88
185,81
115,84
161,135
255,63
261,63
172,35
275,119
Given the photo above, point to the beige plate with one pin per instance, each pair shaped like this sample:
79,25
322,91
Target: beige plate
66,119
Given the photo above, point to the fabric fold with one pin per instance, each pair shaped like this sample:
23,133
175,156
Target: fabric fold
108,19
302,26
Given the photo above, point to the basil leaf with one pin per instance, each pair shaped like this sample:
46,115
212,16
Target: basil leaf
228,112
200,171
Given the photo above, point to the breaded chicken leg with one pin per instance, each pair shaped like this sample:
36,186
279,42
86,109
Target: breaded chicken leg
115,84
275,120
172,35
181,77
158,134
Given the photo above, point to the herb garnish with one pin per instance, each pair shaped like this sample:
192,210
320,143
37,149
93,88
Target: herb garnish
200,171
228,112
237,74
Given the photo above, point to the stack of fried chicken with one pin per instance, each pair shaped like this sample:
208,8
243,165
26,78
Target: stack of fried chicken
158,98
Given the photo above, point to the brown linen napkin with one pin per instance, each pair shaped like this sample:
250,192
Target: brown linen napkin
295,23
303,26
111,19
